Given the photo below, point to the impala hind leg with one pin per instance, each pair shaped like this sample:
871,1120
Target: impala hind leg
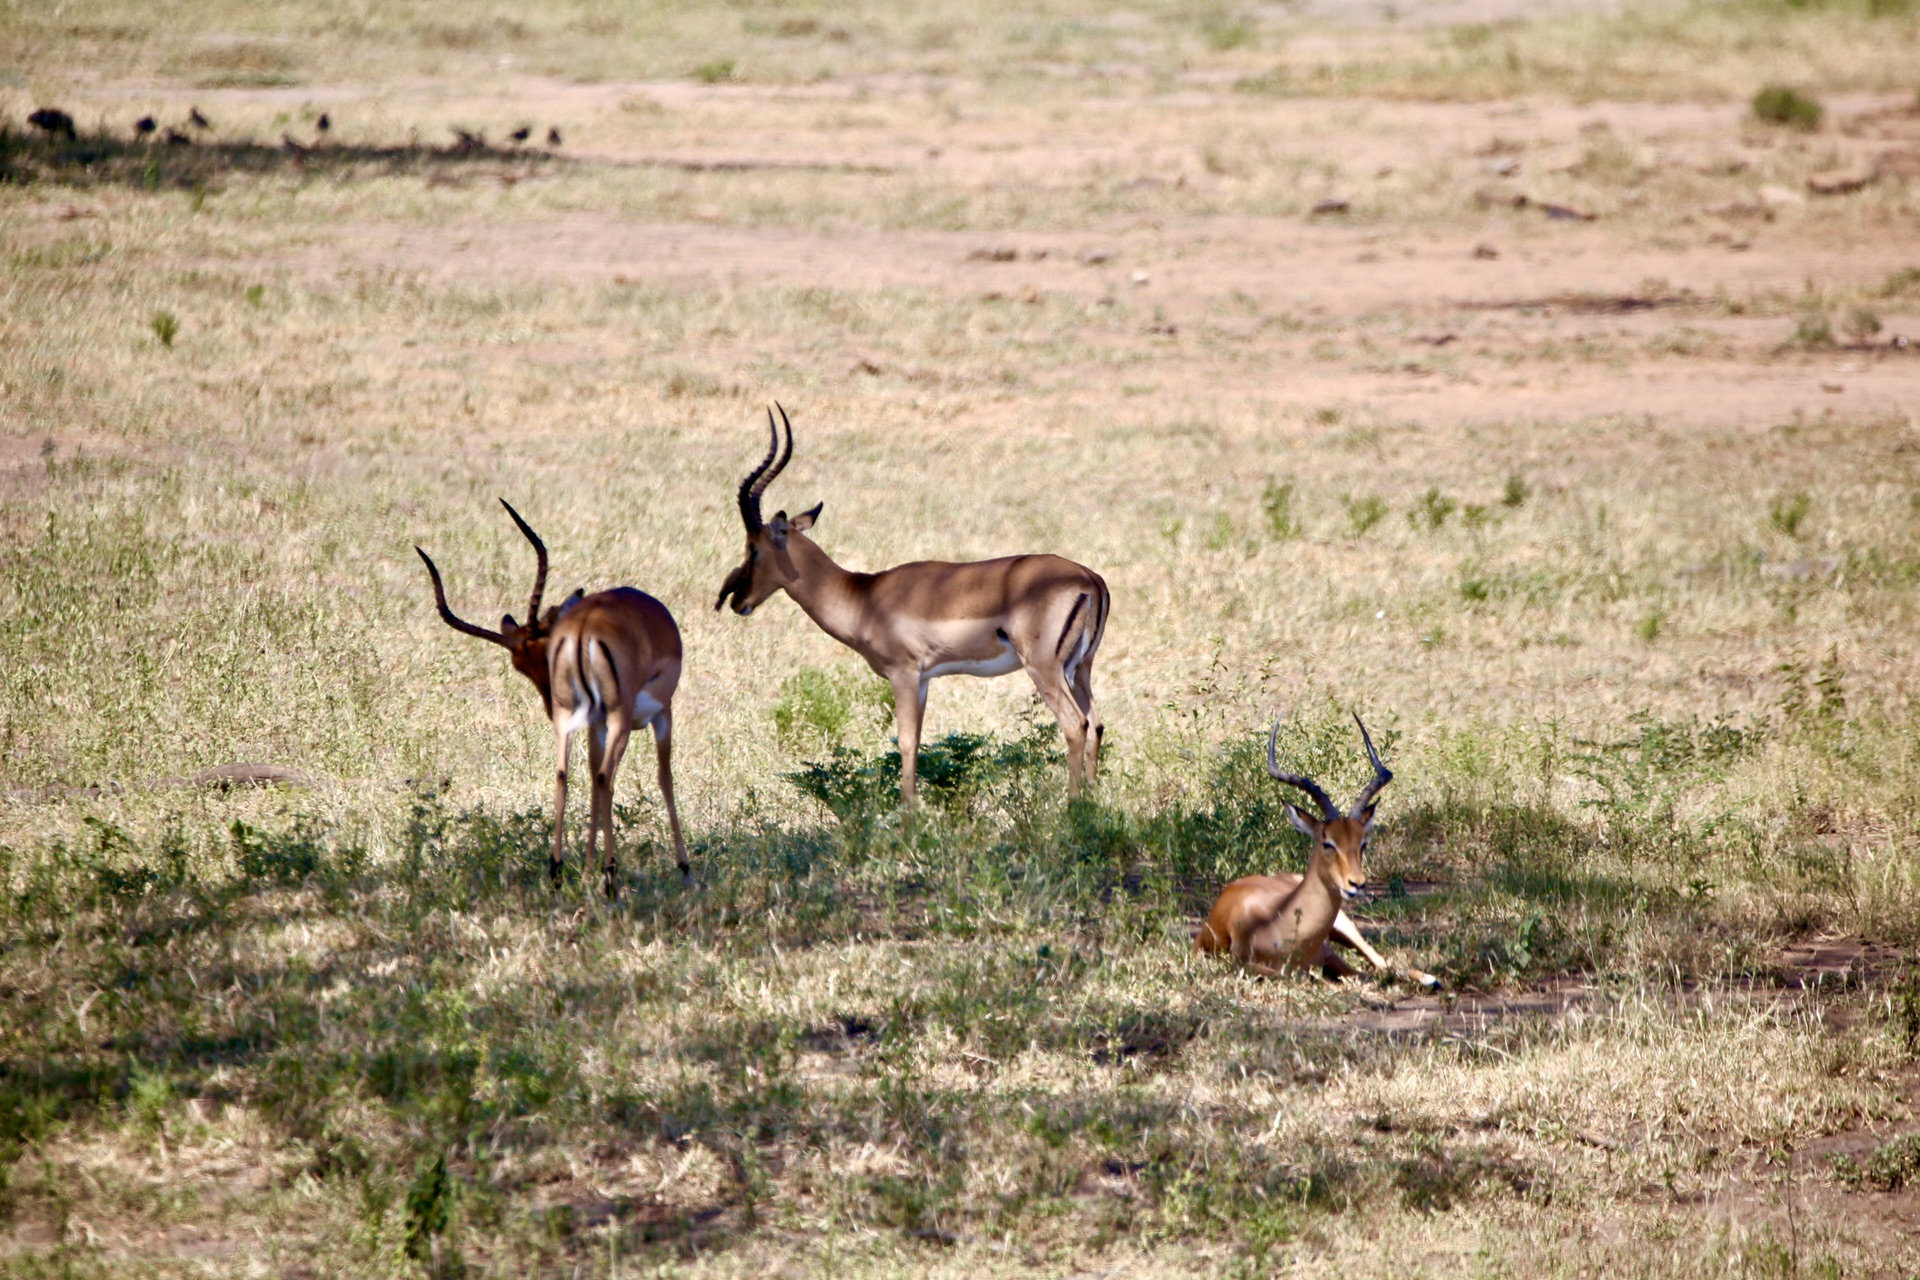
596,770
1074,722
1082,687
561,741
618,726
663,751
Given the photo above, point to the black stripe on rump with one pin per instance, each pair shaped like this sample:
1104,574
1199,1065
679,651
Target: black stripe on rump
1079,603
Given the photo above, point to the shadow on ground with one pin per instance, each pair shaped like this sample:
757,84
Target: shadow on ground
176,161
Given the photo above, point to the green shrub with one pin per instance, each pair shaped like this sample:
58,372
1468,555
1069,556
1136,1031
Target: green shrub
817,706
1813,329
1778,104
1433,508
1364,513
1276,503
1789,512
165,326
1894,1164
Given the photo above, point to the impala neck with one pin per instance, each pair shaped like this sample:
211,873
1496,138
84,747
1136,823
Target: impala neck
1319,899
827,593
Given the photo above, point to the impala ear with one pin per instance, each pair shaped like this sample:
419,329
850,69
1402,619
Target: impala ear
507,623
804,521
1302,823
778,528
1366,817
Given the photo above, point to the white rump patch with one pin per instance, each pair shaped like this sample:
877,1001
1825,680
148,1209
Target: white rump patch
582,712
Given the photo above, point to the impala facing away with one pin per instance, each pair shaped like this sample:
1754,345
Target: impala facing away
918,621
1287,921
606,662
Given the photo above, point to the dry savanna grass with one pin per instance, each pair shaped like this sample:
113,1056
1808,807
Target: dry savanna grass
1492,370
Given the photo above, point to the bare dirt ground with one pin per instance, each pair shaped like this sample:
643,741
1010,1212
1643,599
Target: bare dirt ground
1470,274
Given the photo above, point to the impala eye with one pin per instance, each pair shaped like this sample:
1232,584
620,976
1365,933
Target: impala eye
1330,844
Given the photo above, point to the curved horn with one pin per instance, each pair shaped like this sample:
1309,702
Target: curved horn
540,550
1299,780
761,476
1381,774
447,615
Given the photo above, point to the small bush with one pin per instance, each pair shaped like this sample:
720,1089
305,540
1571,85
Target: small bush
1893,1165
1778,104
1862,324
952,771
1224,31
715,71
1516,493
1433,509
1364,513
1813,329
1789,512
165,326
1276,503
818,706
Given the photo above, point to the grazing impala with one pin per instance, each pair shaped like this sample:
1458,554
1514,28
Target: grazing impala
606,662
1269,923
917,621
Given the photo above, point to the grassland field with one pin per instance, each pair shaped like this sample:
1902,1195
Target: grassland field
1492,370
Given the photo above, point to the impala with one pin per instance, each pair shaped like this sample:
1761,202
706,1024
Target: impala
1269,923
916,622
606,662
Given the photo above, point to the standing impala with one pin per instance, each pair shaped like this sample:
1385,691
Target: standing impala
915,622
606,662
1269,923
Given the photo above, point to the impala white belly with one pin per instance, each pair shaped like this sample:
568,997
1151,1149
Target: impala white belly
998,665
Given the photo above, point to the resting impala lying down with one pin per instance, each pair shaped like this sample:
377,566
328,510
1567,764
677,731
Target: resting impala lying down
1270,923
915,622
607,663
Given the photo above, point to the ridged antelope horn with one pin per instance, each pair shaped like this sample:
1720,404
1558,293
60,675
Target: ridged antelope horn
1299,780
763,475
447,615
1381,774
540,550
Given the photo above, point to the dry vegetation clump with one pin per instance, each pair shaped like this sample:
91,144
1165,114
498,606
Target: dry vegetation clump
1612,532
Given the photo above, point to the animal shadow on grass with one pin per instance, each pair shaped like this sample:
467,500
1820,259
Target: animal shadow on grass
99,159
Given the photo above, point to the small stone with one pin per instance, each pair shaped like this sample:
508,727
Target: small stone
1839,182
1327,207
1485,252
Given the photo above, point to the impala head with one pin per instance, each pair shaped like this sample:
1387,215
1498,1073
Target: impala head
768,567
525,642
1339,839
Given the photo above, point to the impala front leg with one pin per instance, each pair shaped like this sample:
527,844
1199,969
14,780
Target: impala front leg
1345,933
909,705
